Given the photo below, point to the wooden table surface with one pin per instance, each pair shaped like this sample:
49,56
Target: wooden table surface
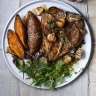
85,85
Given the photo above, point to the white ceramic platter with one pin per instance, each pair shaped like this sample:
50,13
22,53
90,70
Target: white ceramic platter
22,11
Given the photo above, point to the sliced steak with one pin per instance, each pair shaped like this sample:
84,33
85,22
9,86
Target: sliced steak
71,17
74,28
72,33
44,23
46,45
81,26
56,12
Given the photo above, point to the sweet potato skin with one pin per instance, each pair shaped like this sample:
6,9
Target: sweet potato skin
15,44
34,32
20,30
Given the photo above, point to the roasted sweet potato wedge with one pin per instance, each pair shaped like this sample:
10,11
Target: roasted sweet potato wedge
34,32
20,30
15,44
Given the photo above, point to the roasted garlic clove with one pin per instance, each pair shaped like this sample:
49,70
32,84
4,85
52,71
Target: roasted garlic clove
60,23
61,19
51,37
39,10
67,59
79,53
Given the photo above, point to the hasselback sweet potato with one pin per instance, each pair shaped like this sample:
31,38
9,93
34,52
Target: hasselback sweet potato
15,44
34,32
20,30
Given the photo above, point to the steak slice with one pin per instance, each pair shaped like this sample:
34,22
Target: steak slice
44,23
60,47
46,45
52,50
71,17
56,12
74,28
72,33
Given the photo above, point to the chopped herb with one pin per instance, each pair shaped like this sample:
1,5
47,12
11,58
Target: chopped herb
43,72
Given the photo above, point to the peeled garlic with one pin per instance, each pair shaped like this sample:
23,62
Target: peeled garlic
61,19
51,37
79,53
39,10
67,59
60,22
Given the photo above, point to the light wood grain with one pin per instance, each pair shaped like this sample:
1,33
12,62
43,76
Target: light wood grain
92,67
92,8
9,85
92,89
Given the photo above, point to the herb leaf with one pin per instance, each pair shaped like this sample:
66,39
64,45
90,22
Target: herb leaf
44,73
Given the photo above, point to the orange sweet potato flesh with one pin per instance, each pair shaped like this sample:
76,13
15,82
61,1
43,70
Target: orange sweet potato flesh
20,30
15,44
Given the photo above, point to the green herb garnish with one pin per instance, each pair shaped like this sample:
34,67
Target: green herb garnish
45,73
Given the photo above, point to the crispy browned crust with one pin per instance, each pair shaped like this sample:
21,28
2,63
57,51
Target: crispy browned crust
56,12
20,30
15,44
34,32
44,23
